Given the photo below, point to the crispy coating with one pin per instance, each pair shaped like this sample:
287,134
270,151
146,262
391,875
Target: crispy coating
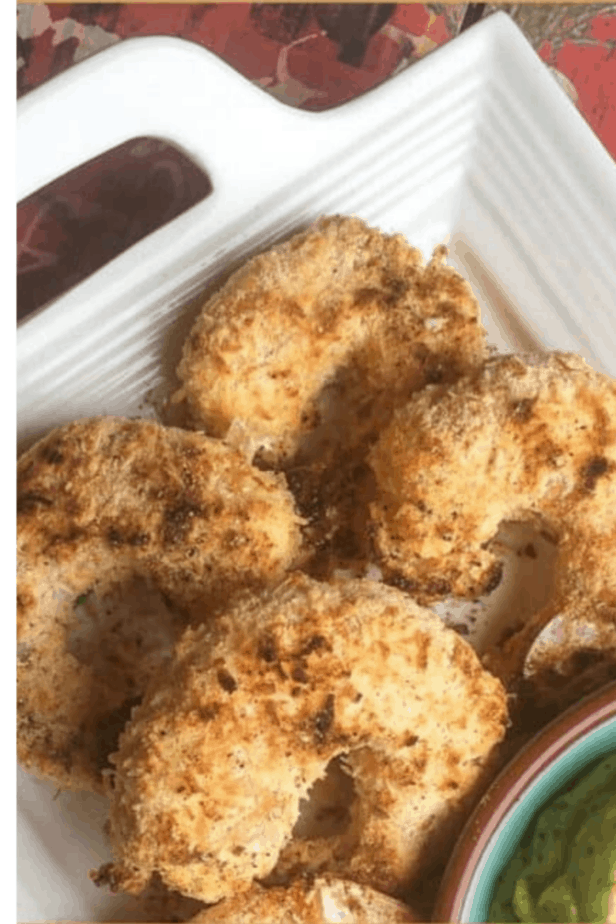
520,440
304,354
158,903
560,674
109,507
224,752
321,901
310,346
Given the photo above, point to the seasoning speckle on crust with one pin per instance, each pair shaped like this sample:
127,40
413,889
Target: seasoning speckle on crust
515,441
303,355
119,535
214,805
325,900
319,338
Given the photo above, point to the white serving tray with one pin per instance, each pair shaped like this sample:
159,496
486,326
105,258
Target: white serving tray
476,146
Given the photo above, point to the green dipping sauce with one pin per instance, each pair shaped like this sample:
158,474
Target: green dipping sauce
563,868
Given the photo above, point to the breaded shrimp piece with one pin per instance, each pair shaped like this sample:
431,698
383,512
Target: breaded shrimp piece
521,440
320,901
311,345
217,764
127,532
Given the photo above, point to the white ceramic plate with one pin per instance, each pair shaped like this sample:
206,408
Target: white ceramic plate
476,146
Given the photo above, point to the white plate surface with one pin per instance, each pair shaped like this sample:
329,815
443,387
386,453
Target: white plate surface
476,146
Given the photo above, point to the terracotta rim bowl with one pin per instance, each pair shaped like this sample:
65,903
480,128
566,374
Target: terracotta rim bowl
561,751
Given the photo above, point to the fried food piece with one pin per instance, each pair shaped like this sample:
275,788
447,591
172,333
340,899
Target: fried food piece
227,750
520,440
310,346
562,672
304,354
159,904
321,901
109,507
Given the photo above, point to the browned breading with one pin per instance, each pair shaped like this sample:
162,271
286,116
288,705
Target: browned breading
306,351
321,901
110,507
318,339
562,672
156,903
518,441
226,749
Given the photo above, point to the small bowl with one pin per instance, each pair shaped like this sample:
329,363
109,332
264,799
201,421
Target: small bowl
560,752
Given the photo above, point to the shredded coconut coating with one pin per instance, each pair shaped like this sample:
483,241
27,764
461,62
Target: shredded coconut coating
213,766
309,346
322,901
520,440
110,503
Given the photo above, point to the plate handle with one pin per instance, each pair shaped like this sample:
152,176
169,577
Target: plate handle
167,88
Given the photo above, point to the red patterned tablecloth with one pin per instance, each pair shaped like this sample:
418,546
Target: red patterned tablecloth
314,56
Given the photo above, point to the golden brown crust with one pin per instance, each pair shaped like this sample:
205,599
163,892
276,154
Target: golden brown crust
107,507
517,441
321,901
304,354
212,768
312,344
156,903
